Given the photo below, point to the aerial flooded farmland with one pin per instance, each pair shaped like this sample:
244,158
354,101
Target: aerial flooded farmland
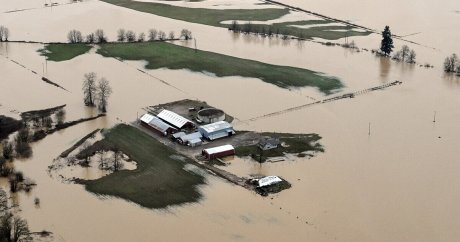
229,120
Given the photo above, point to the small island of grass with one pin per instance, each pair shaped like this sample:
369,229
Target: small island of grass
63,52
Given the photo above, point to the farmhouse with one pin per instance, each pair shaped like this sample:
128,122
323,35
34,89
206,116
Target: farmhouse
269,143
218,152
156,124
216,130
175,119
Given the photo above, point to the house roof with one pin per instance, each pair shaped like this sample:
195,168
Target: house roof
221,125
268,180
173,118
271,141
219,149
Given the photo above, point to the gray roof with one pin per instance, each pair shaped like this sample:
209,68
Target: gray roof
270,141
192,136
173,118
178,135
158,124
221,125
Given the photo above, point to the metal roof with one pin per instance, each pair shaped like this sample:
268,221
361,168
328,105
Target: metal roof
178,135
188,137
221,125
173,118
195,141
268,180
146,118
219,149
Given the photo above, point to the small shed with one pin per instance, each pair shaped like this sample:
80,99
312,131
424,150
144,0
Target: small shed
178,135
218,152
174,119
216,130
269,143
153,123
195,142
268,180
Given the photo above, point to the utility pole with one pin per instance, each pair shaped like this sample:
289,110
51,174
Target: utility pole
434,118
369,129
194,39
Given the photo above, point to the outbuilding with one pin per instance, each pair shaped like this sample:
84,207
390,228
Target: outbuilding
218,152
186,138
175,119
216,130
269,143
156,124
268,181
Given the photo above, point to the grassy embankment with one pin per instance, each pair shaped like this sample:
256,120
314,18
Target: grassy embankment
165,55
214,17
296,144
157,182
63,52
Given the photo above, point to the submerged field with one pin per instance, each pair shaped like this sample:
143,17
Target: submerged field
159,180
215,17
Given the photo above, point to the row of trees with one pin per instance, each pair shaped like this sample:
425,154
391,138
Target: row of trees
452,64
405,55
248,28
4,33
75,36
96,93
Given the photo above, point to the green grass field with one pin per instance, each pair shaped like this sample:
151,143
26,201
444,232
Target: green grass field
166,55
158,181
63,52
214,17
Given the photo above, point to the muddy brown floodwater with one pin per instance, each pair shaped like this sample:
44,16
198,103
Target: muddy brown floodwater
397,184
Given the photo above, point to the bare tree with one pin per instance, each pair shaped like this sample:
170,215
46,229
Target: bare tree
171,35
90,38
74,36
7,150
186,34
405,52
103,92
117,161
450,63
152,34
4,33
102,160
20,231
235,27
162,35
89,88
100,36
130,36
411,57
60,116
121,35
141,37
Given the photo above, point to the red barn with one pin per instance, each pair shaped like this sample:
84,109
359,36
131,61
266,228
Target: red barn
218,152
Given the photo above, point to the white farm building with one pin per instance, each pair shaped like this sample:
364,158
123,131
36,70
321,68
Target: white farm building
216,130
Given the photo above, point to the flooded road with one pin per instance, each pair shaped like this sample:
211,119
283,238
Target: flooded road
396,184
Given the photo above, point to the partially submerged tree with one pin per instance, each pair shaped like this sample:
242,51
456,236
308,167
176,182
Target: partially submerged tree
172,35
4,33
186,34
100,36
117,160
7,150
130,36
152,34
89,88
103,92
451,63
121,35
411,57
387,41
60,116
74,36
162,35
141,37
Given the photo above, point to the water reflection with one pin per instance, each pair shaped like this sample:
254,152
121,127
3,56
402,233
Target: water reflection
385,67
451,79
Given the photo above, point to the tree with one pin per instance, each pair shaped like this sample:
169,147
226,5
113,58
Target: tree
4,33
103,92
172,35
186,34
152,34
405,52
387,41
247,28
141,37
235,26
60,116
74,36
451,63
7,150
130,36
100,36
117,162
162,35
121,35
14,229
411,57
89,88
90,38
102,160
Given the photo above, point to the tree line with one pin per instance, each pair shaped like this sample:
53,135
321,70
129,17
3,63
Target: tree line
264,31
4,33
12,227
452,64
99,37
